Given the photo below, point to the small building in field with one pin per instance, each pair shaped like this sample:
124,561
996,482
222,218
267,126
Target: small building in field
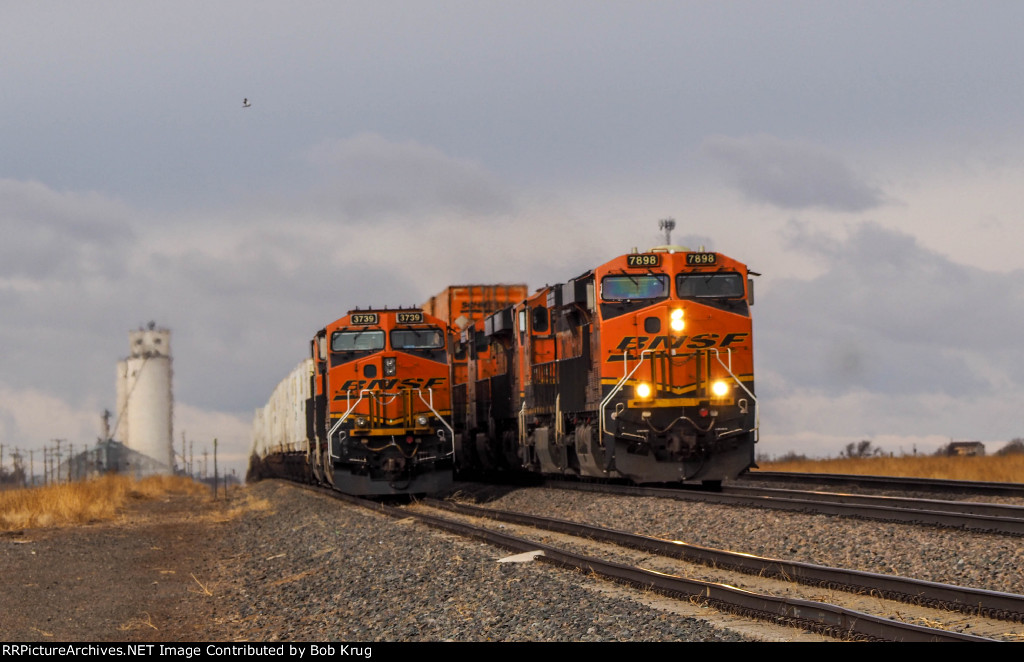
110,456
965,448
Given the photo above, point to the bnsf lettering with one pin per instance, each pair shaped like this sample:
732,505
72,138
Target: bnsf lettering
388,384
699,341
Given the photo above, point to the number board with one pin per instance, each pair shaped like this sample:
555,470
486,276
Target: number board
364,318
696,259
643,260
409,318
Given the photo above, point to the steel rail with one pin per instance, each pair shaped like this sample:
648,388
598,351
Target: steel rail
982,523
891,482
1005,510
993,604
817,616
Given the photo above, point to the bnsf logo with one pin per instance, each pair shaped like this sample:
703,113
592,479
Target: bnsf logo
388,384
699,341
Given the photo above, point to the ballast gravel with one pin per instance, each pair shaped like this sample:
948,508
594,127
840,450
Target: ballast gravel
949,556
315,569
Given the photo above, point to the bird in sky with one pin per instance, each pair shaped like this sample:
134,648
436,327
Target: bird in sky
245,103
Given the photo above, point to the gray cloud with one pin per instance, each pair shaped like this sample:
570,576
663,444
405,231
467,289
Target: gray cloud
889,316
60,235
791,174
368,177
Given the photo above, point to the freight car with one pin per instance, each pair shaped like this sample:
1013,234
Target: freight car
374,401
280,444
641,368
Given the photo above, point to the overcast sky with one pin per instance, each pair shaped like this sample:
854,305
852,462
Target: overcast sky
866,157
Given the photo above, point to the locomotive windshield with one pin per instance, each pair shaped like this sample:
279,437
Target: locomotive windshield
417,339
709,285
357,341
630,286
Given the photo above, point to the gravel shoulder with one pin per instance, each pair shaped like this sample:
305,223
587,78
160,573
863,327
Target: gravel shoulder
136,579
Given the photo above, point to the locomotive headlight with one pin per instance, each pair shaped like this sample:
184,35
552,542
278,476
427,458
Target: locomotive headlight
676,322
390,366
643,390
720,388
360,422
421,421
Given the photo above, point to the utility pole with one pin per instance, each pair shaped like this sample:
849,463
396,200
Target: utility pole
56,470
32,468
18,461
215,468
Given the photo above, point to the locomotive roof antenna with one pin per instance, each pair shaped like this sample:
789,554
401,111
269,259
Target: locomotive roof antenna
667,224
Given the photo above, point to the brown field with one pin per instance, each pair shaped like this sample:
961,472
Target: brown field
989,468
87,501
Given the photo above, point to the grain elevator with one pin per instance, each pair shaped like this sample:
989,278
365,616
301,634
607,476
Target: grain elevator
144,398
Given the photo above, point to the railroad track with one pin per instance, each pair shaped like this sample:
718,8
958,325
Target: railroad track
985,517
761,588
905,484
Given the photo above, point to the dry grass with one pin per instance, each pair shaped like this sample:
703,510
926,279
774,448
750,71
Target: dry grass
990,468
87,501
244,502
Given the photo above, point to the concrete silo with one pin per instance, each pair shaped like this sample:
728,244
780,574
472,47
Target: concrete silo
144,400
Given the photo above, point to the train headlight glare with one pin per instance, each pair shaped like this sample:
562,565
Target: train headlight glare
676,322
421,421
643,390
720,388
390,366
360,422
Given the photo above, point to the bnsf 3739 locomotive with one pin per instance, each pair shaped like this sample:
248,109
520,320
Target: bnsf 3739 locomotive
641,368
376,407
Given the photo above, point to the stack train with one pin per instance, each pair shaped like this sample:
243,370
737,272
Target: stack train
639,369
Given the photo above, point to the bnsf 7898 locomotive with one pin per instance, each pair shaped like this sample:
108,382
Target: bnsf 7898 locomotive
641,368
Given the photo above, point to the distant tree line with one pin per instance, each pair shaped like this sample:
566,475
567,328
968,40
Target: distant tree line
863,448
1013,447
866,448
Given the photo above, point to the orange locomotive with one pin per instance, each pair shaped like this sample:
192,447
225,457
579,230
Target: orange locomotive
379,404
465,307
641,368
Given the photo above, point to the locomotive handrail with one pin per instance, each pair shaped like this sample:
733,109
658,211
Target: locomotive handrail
728,368
430,405
419,392
522,423
618,387
334,428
